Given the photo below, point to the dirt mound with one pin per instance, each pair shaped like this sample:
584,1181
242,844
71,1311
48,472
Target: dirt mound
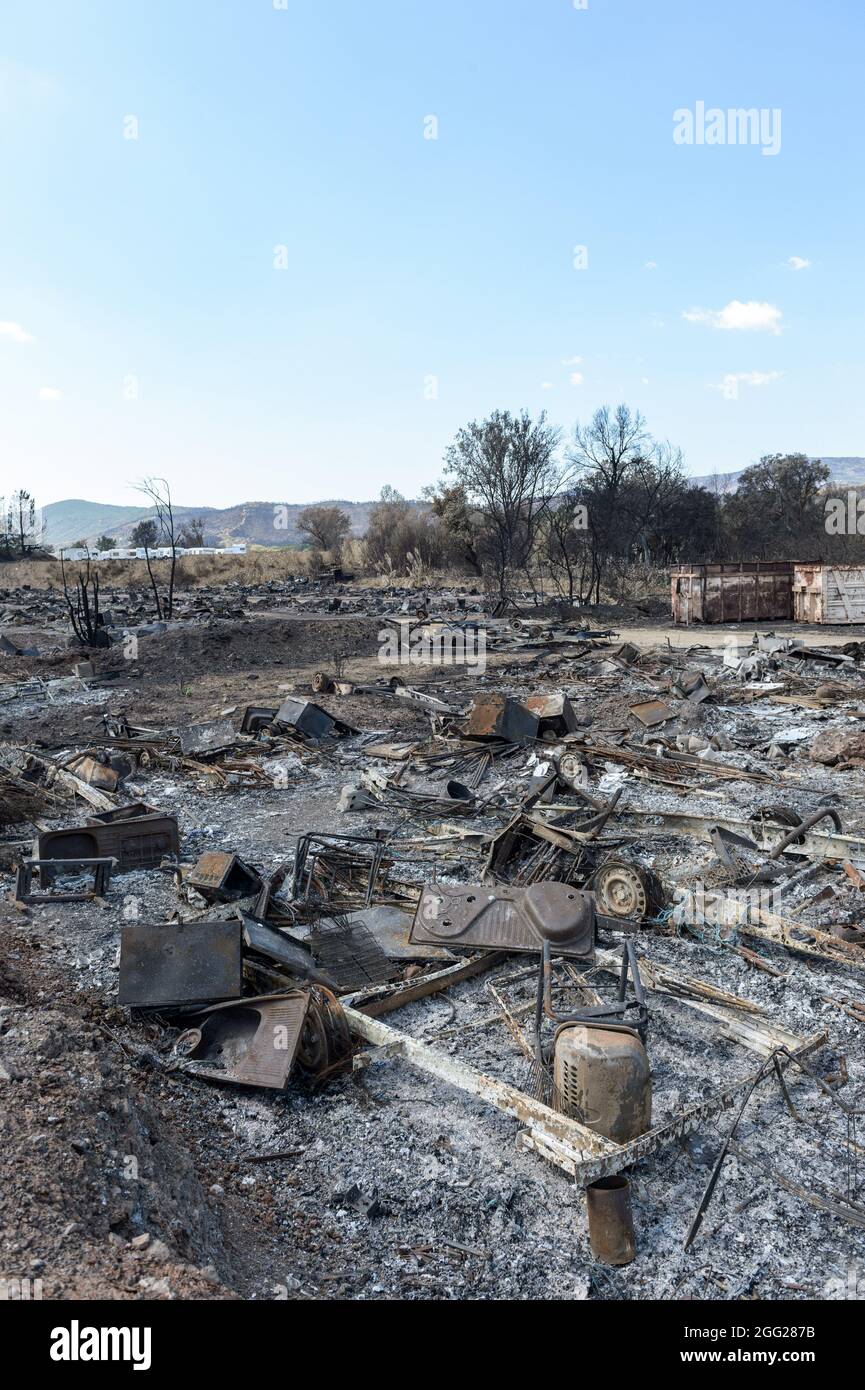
101,1194
226,646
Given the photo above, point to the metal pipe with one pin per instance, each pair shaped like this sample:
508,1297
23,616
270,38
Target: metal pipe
798,831
611,1220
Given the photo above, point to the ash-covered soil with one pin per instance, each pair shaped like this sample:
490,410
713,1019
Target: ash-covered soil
124,1178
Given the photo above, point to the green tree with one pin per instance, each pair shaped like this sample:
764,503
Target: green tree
326,527
508,469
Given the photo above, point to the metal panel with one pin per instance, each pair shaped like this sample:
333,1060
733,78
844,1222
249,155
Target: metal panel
498,716
254,1043
555,714
213,737
179,963
506,918
652,712
222,877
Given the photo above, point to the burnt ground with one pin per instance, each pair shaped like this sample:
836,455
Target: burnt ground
122,1178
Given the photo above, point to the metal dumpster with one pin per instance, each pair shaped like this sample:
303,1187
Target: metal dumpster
829,593
751,591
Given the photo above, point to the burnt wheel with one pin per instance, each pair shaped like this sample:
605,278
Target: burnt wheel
626,890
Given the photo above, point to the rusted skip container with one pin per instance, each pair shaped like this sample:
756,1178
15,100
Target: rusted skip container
829,593
752,591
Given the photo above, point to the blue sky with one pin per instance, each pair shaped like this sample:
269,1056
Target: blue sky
144,327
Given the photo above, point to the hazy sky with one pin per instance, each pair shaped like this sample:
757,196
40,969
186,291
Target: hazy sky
231,254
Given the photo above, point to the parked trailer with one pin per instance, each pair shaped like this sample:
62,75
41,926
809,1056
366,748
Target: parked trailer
754,591
829,593
162,552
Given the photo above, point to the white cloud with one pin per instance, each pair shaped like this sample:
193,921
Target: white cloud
747,379
756,316
651,265
798,263
49,393
546,386
644,381
572,361
577,378
15,332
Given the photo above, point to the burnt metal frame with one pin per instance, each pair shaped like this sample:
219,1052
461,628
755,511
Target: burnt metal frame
582,1153
135,841
772,1066
601,1015
23,890
314,843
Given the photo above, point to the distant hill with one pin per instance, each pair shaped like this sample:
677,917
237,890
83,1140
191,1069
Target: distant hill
67,522
253,522
842,470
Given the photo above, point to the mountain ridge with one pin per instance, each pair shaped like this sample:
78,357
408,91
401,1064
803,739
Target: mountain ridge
256,523
275,523
844,469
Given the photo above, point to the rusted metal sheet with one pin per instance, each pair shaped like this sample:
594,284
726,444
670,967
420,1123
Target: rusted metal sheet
179,963
253,1043
829,593
136,841
756,591
507,918
94,773
222,877
498,716
555,714
652,712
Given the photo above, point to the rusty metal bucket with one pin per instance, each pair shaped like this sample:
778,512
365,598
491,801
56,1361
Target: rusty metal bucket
611,1221
602,1077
